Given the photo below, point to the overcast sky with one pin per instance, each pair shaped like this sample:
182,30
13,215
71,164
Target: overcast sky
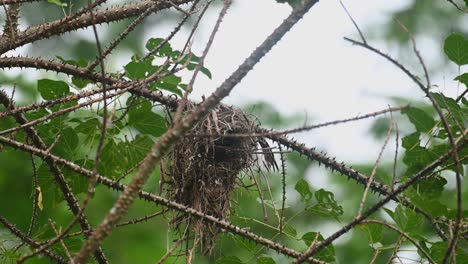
312,71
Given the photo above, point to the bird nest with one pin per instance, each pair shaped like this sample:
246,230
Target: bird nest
205,165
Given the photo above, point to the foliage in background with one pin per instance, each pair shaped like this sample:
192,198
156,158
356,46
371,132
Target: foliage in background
310,213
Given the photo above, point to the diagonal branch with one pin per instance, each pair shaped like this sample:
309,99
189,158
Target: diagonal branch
153,198
351,173
26,239
460,143
161,147
59,177
57,27
426,91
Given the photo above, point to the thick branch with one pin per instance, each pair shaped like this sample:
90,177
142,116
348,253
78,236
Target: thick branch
161,147
152,197
57,27
26,239
343,169
59,177
460,143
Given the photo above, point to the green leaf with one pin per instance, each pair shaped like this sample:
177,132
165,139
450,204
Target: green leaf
302,187
139,70
463,79
72,244
326,205
229,260
50,89
416,158
431,188
410,141
327,254
57,2
420,119
194,61
168,87
380,127
88,127
172,79
246,244
33,115
67,143
389,212
438,250
445,102
78,182
51,195
153,43
407,220
206,72
264,259
433,207
147,122
80,82
78,63
137,149
290,230
373,232
113,160
454,111
456,49
139,104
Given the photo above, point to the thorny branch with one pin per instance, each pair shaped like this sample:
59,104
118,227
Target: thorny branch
87,16
58,27
59,177
163,145
460,143
26,239
426,90
153,198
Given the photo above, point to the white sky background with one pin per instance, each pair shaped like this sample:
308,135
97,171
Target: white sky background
312,71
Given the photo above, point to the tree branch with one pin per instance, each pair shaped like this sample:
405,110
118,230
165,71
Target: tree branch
57,27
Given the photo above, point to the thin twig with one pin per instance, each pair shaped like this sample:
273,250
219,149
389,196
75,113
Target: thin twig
454,239
169,252
57,233
262,198
430,167
283,183
15,231
401,232
162,146
173,32
354,22
263,133
374,169
395,157
59,178
201,61
159,200
418,55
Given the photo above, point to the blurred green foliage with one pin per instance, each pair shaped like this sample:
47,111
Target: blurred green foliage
309,208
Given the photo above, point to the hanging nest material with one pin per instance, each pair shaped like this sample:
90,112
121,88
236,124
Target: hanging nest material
204,168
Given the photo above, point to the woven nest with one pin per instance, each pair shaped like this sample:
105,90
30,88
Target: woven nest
204,168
